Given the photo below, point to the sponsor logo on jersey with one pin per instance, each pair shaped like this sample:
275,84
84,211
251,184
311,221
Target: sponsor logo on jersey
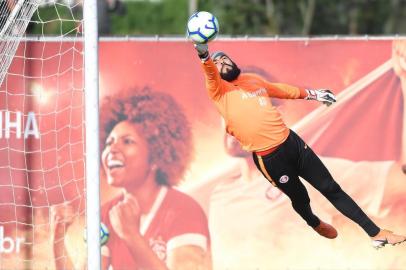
256,93
159,247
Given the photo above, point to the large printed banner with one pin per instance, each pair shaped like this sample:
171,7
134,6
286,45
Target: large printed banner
252,225
173,189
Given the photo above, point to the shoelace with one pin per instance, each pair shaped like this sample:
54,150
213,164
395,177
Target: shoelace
377,244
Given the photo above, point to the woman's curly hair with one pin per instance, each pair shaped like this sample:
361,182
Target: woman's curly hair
163,125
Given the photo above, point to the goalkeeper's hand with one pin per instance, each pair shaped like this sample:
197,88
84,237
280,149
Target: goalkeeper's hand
323,95
202,51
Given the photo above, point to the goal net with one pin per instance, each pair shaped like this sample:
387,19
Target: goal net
42,135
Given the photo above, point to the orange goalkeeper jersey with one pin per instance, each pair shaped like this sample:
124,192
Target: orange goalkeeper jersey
247,109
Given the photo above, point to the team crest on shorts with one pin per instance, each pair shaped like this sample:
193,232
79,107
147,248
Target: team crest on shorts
283,179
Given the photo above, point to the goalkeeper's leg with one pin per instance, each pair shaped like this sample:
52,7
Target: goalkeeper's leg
314,171
280,173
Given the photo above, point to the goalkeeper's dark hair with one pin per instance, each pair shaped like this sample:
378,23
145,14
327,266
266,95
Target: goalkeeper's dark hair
163,124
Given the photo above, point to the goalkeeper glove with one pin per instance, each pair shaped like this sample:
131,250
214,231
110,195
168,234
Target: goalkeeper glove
202,51
323,95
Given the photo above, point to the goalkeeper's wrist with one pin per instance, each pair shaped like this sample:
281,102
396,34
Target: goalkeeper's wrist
303,93
204,57
311,94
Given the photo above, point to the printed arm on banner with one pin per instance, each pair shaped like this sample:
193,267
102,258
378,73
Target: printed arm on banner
62,216
323,95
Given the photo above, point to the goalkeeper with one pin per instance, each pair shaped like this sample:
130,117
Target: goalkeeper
244,101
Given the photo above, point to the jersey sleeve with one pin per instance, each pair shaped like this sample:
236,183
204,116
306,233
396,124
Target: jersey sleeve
115,253
214,83
282,90
285,91
189,226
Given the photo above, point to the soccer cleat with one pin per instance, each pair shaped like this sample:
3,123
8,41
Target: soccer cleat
326,230
385,237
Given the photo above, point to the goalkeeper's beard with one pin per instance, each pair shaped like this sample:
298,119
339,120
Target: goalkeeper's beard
231,74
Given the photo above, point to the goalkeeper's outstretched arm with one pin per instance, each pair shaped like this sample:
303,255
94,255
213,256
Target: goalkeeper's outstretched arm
214,84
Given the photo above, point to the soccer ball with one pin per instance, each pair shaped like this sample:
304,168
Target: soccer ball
104,234
202,27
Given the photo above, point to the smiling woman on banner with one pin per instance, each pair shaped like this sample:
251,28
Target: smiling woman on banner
147,147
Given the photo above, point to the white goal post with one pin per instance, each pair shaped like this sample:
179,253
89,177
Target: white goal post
92,134
49,133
